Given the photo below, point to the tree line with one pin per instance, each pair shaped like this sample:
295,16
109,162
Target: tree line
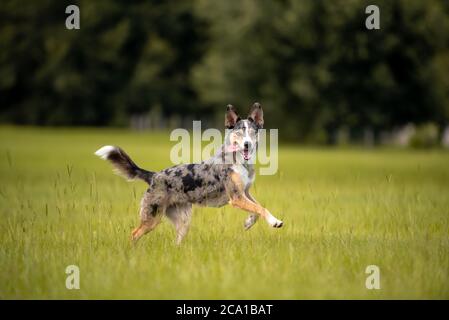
312,64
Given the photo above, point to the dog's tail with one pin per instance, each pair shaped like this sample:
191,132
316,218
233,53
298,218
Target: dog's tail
123,164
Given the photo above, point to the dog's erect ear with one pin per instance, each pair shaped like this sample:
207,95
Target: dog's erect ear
231,117
256,114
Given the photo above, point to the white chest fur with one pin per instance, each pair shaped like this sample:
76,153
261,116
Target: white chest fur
247,175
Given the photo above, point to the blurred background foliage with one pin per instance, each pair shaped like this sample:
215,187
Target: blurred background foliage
312,64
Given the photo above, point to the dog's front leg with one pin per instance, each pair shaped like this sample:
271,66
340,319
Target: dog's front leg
252,218
242,202
250,221
239,199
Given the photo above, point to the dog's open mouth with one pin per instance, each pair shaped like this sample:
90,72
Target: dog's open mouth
246,154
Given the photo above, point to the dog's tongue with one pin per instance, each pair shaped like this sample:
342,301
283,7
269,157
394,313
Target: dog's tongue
232,148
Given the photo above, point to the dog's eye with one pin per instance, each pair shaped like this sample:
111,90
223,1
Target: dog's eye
239,133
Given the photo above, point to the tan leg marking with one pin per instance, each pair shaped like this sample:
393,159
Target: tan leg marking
145,227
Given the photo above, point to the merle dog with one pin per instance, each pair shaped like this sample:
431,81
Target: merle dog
220,180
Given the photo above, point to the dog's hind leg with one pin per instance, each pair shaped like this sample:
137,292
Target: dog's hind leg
150,218
180,216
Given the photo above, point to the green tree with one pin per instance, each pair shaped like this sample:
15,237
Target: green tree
316,67
127,57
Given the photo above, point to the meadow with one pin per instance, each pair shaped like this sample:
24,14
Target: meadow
343,209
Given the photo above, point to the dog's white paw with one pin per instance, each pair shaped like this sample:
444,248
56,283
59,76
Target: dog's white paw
275,223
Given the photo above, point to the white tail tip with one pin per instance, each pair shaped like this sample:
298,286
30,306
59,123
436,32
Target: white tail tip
105,151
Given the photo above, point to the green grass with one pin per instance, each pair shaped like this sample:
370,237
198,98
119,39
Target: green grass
343,210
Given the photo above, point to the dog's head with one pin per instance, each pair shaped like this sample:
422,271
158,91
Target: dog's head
243,133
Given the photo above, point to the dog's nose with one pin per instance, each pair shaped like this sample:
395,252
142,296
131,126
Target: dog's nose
247,145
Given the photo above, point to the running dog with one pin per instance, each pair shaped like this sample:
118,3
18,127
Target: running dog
223,179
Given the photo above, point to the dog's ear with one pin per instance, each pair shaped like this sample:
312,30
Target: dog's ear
256,114
231,117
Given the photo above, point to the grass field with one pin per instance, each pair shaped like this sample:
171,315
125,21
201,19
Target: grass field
342,210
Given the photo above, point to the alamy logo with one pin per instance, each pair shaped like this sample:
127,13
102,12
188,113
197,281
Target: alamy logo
373,20
73,279
373,280
186,152
73,20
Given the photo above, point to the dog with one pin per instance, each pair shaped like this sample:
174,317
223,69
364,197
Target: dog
223,179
